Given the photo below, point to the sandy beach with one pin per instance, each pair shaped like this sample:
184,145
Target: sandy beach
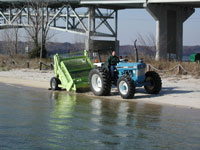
27,77
177,90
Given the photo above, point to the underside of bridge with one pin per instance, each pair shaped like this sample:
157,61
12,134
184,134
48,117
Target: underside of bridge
169,28
64,15
90,21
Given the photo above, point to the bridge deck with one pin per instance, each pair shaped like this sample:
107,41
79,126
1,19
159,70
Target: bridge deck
103,3
192,3
139,3
51,3
77,3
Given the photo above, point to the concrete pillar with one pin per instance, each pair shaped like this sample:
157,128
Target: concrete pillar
88,34
169,28
90,15
116,33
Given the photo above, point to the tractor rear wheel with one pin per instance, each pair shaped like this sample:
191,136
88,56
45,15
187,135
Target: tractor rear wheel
54,83
155,82
126,87
100,83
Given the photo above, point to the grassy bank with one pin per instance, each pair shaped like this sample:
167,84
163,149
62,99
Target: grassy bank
166,67
20,61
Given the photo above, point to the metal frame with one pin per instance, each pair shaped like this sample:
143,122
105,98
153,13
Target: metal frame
66,18
65,73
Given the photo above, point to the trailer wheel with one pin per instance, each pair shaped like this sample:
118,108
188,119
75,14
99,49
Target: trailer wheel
100,83
126,87
155,82
54,83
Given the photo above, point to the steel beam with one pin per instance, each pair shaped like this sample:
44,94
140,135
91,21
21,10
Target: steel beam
89,23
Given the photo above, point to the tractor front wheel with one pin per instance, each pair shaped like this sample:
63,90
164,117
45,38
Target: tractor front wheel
154,81
54,83
100,83
126,87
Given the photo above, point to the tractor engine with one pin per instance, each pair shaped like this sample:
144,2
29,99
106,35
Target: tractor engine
135,70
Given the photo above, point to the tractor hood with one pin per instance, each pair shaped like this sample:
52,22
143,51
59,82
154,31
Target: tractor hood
135,70
125,65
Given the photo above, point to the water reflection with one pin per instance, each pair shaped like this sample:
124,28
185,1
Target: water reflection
123,122
64,105
34,119
59,117
106,123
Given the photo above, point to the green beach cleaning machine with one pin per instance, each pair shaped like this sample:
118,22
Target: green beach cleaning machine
71,71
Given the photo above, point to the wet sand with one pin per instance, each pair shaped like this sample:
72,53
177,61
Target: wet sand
178,91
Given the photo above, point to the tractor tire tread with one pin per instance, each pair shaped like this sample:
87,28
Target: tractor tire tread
158,82
57,83
131,87
106,82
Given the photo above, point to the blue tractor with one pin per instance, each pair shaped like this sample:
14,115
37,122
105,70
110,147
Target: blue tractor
128,76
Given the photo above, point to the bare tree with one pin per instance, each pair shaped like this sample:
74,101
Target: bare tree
7,42
39,27
147,42
79,42
16,36
10,37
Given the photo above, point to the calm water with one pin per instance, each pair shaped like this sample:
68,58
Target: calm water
41,120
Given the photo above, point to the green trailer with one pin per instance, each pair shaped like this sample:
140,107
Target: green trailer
71,72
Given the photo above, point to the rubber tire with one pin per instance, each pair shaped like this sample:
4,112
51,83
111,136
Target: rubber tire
131,87
155,81
105,79
54,84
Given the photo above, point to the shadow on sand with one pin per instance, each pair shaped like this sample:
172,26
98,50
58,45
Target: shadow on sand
163,92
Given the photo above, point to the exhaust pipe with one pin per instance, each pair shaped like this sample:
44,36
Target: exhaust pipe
136,51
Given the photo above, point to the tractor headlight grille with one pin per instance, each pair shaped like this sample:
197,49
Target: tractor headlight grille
140,72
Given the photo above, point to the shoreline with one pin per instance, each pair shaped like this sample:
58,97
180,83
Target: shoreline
25,83
177,91
27,77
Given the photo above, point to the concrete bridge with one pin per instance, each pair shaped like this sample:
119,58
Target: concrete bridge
168,14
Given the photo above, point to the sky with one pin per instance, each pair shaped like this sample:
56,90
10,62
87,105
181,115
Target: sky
138,21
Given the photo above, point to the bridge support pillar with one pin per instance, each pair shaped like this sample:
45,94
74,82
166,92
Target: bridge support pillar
169,28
